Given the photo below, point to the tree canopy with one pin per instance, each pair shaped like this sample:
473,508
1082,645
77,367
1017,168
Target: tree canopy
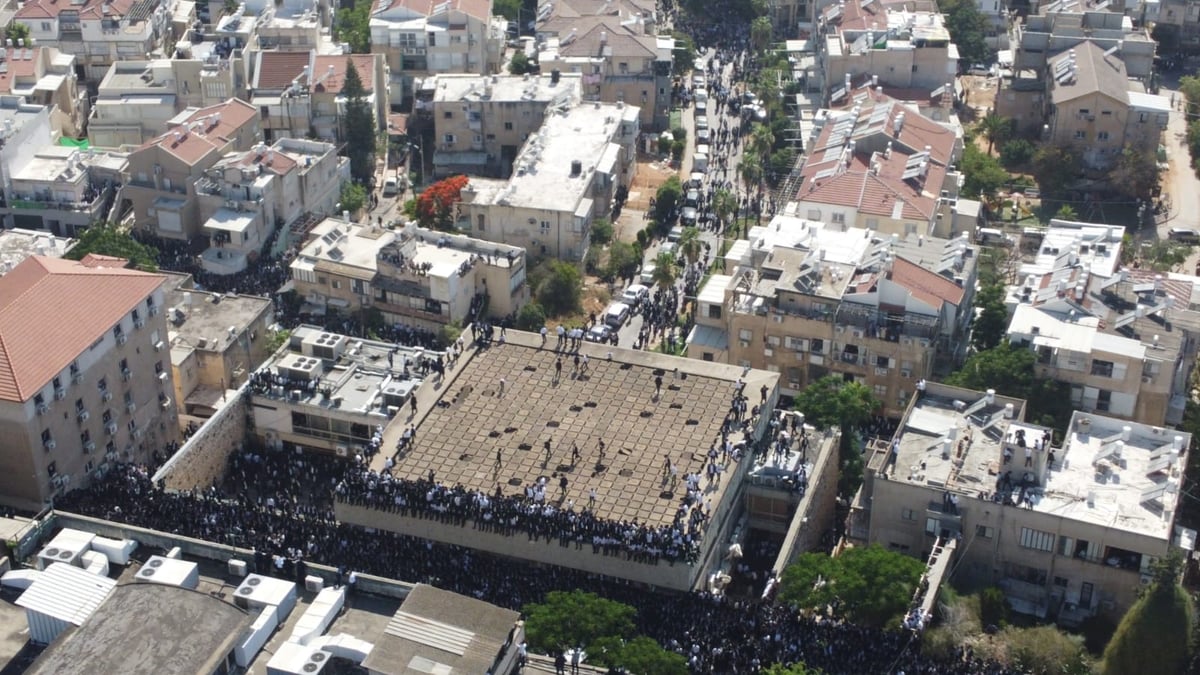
1155,634
531,317
834,402
16,31
684,54
984,174
520,64
867,584
435,204
569,619
353,197
1055,168
1009,369
665,201
353,26
1135,173
559,287
358,127
991,322
793,669
968,29
108,239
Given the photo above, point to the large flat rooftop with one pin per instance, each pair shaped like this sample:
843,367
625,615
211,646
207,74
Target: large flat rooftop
1118,474
17,245
201,319
613,401
503,88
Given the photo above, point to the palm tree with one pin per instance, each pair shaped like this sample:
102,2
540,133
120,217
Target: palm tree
762,140
665,270
995,129
761,32
690,245
724,204
751,170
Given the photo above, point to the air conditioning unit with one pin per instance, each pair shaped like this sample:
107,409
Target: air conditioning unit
50,444
83,416
882,372
342,451
1147,379
126,374
111,428
153,310
89,447
76,377
139,323
158,346
906,373
777,318
768,352
60,394
122,339
42,408
858,333
106,396
137,433
163,376
166,402
130,407
839,330
313,584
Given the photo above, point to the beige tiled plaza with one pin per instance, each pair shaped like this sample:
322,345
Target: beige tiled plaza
613,401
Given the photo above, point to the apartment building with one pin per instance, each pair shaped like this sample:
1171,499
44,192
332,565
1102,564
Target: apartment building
1123,339
1068,531
99,392
1096,108
331,393
160,181
1040,38
418,38
619,62
902,43
246,196
565,177
294,25
882,166
44,76
1183,15
299,94
137,99
98,32
216,340
63,190
412,276
808,299
481,121
18,244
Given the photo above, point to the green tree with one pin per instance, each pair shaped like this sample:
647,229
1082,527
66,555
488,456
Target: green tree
559,292
761,32
832,401
353,26
602,232
17,31
1009,369
993,607
866,584
984,175
751,170
644,655
968,30
109,239
358,128
761,140
995,129
665,270
793,669
1016,152
724,205
623,261
1066,212
1155,635
991,323
665,200
519,65
1135,174
569,619
1054,168
509,9
684,54
531,317
1046,649
1189,86
690,244
353,197
278,339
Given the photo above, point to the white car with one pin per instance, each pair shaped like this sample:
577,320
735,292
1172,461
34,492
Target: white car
701,122
703,136
634,295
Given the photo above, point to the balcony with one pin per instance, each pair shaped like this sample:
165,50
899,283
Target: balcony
881,324
32,203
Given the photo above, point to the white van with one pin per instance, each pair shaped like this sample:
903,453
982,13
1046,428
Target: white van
391,187
616,314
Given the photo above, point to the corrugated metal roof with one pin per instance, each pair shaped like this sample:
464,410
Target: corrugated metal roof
67,593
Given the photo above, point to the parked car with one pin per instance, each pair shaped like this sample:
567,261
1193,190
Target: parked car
634,295
616,314
703,136
598,333
1184,235
701,123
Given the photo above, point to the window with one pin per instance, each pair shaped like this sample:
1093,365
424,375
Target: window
102,385
337,284
817,345
881,391
52,469
78,405
447,115
1102,368
839,218
136,316
117,331
708,356
508,126
1084,112
984,532
907,514
448,138
46,436
85,437
1102,136
1061,582
746,334
1080,135
158,368
545,227
623,68
38,399
57,383
46,27
932,525
714,311
1037,540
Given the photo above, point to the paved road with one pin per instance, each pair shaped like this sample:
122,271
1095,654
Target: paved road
1180,181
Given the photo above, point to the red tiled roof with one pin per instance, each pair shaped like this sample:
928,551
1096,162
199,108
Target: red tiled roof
215,126
277,70
52,309
332,80
90,9
925,285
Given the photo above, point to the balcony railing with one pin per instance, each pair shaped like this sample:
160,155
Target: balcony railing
880,324
41,204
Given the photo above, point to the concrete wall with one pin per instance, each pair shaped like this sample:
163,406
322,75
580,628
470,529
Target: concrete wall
678,576
203,459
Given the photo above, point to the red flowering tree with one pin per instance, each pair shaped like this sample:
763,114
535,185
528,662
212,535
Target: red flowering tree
435,206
